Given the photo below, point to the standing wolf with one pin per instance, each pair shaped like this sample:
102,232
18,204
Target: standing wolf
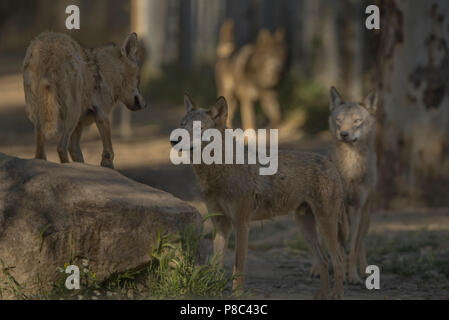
353,128
305,184
68,87
250,74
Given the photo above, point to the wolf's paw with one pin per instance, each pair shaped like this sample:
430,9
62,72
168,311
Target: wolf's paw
337,295
314,272
354,279
107,163
320,295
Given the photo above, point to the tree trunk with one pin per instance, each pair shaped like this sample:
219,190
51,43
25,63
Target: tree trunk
327,66
185,34
208,18
353,43
413,120
156,27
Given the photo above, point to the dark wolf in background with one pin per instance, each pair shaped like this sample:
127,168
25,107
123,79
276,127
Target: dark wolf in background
250,74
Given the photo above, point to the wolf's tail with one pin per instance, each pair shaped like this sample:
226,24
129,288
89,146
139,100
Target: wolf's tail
48,109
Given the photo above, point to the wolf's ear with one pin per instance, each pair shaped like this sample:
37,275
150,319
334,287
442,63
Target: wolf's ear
279,35
227,30
335,99
370,101
264,37
188,102
219,112
130,47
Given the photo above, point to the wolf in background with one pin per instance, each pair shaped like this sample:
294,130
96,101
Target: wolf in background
68,88
305,184
250,74
352,126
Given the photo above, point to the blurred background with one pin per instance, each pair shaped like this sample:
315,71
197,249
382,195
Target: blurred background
327,44
407,60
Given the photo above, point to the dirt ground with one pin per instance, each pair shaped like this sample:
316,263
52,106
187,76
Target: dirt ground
411,246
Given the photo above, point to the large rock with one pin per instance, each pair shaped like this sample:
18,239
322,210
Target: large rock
51,212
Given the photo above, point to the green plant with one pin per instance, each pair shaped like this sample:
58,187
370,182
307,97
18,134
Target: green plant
12,285
174,272
88,282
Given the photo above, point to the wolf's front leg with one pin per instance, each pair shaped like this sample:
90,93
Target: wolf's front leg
223,226
241,250
365,222
247,111
40,144
74,146
355,222
102,122
271,108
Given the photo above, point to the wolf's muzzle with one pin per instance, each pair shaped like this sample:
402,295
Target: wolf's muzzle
139,104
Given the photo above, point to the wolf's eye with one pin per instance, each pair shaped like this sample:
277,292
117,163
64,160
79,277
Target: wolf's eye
338,122
357,122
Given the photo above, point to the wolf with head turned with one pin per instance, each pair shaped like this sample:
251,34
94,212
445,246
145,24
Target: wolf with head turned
306,185
68,88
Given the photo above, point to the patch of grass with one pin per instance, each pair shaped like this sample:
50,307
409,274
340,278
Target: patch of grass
421,254
11,284
43,234
173,273
299,243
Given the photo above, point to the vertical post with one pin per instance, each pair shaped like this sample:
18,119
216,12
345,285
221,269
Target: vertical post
356,43
138,17
185,47
138,25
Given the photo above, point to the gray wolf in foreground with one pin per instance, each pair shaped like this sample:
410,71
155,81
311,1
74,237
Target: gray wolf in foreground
68,88
250,74
305,184
353,129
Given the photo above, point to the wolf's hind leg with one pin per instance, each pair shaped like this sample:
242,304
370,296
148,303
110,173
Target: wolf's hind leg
40,144
270,107
247,111
63,146
306,222
103,125
232,108
362,253
74,147
314,270
329,232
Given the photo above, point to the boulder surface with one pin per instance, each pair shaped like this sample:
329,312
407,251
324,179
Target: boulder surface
53,214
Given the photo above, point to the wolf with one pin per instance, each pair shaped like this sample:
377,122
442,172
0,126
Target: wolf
250,74
305,184
352,125
68,88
